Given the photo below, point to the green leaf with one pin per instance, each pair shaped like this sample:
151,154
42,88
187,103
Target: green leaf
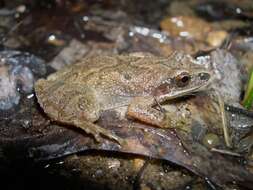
248,98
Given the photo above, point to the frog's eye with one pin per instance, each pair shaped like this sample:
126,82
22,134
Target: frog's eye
183,79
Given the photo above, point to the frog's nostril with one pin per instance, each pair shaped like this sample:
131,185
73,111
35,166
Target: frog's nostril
204,76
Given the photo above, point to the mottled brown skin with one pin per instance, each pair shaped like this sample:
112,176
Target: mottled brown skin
78,94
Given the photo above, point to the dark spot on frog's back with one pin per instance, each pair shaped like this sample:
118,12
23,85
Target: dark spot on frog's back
127,76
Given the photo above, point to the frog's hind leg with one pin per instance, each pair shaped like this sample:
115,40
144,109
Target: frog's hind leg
97,131
79,106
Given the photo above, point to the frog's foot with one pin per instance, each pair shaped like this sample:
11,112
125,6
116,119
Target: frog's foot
97,131
141,109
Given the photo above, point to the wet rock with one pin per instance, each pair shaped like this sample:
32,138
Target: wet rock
186,26
9,95
244,44
160,43
216,38
18,73
195,30
68,55
211,140
149,40
228,76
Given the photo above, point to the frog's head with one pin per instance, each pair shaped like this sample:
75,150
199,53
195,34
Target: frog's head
184,82
185,78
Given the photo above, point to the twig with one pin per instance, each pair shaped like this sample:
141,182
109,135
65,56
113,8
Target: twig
226,152
224,121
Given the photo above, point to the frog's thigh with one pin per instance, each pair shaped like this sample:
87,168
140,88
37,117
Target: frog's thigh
141,108
77,101
87,109
87,104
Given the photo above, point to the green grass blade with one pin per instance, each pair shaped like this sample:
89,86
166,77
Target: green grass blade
248,98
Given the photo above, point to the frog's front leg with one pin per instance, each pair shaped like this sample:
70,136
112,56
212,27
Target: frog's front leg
141,108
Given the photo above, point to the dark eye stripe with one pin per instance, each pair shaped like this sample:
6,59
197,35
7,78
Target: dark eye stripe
162,89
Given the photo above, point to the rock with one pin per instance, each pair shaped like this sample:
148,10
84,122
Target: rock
70,54
17,74
186,26
9,95
216,38
228,79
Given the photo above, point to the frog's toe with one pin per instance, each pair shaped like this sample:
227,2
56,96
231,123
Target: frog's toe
109,134
97,137
116,138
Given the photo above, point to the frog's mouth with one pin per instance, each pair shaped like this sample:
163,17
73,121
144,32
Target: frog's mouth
182,93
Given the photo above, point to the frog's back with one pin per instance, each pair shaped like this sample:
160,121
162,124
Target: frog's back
118,75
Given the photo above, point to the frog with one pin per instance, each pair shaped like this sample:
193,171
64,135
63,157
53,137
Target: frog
78,94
